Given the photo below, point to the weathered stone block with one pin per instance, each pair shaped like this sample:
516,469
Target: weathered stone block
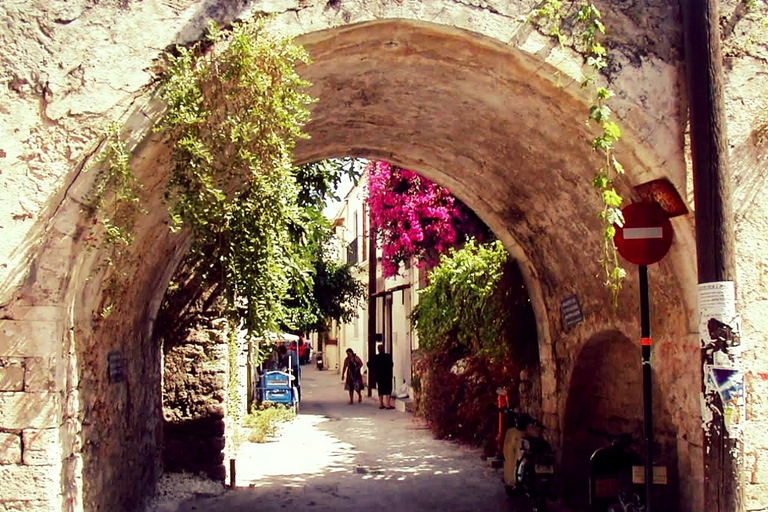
70,439
20,338
11,374
29,483
29,506
28,410
44,313
41,447
39,374
10,449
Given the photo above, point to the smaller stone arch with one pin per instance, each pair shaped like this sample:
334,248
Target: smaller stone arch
606,395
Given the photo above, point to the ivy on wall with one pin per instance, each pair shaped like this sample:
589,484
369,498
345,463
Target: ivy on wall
579,24
236,107
461,308
114,203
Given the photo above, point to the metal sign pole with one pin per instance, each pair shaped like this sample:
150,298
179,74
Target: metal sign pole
645,341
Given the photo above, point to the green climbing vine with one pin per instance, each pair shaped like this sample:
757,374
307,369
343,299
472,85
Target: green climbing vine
581,26
115,194
233,368
115,203
466,305
236,107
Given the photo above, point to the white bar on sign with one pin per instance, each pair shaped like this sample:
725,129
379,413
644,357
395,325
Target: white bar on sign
640,233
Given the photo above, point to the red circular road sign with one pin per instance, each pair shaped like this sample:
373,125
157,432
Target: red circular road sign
646,235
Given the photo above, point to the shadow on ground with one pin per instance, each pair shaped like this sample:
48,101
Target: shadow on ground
341,457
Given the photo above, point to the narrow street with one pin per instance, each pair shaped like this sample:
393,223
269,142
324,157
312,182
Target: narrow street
337,456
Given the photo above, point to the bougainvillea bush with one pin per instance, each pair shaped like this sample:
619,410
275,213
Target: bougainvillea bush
413,217
476,333
457,398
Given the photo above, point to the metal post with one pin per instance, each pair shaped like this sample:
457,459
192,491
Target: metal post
645,341
232,473
371,299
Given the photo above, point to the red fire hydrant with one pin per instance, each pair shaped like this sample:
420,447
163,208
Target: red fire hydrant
502,403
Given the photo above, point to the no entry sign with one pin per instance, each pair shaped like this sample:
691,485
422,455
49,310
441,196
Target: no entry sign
646,235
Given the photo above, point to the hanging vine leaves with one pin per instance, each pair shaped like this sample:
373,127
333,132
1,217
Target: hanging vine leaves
236,107
586,28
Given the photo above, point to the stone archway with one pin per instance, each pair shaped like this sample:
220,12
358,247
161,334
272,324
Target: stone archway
605,397
488,119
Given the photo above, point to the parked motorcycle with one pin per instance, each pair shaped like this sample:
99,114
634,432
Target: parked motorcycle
616,476
528,461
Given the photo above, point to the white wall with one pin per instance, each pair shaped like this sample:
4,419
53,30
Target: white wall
350,226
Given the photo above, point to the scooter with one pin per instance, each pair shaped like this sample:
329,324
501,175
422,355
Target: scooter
528,461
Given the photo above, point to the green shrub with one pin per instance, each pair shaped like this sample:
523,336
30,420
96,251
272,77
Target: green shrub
461,307
264,420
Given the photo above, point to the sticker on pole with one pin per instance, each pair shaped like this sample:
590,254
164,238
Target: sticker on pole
646,235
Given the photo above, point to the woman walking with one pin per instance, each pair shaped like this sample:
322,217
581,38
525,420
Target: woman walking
354,378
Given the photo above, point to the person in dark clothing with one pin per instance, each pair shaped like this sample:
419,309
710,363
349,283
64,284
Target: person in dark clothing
381,367
351,375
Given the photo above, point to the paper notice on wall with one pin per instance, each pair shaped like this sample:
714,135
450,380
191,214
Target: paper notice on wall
719,329
719,333
725,394
718,298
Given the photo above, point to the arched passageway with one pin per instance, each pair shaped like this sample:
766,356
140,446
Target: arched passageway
487,120
469,114
605,398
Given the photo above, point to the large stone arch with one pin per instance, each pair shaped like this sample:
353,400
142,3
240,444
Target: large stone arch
506,121
372,76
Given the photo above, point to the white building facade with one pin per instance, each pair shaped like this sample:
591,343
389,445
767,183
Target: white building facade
393,299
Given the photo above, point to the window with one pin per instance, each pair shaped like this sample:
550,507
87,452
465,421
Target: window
352,252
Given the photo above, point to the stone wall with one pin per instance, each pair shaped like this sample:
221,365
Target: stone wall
30,454
194,401
119,415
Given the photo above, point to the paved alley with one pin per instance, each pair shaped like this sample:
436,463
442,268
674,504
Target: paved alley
337,456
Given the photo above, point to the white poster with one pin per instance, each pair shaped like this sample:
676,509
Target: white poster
718,324
719,333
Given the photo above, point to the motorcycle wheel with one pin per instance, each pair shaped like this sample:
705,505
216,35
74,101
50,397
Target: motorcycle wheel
616,507
538,504
523,502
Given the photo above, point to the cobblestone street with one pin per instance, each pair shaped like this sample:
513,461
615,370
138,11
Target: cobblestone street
342,457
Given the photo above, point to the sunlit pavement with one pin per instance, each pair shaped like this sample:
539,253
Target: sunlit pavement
337,456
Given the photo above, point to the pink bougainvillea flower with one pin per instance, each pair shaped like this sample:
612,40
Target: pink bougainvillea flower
413,217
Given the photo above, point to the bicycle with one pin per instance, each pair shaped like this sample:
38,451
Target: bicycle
617,480
627,502
610,480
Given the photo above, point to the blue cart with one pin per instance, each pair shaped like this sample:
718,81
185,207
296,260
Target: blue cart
279,388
